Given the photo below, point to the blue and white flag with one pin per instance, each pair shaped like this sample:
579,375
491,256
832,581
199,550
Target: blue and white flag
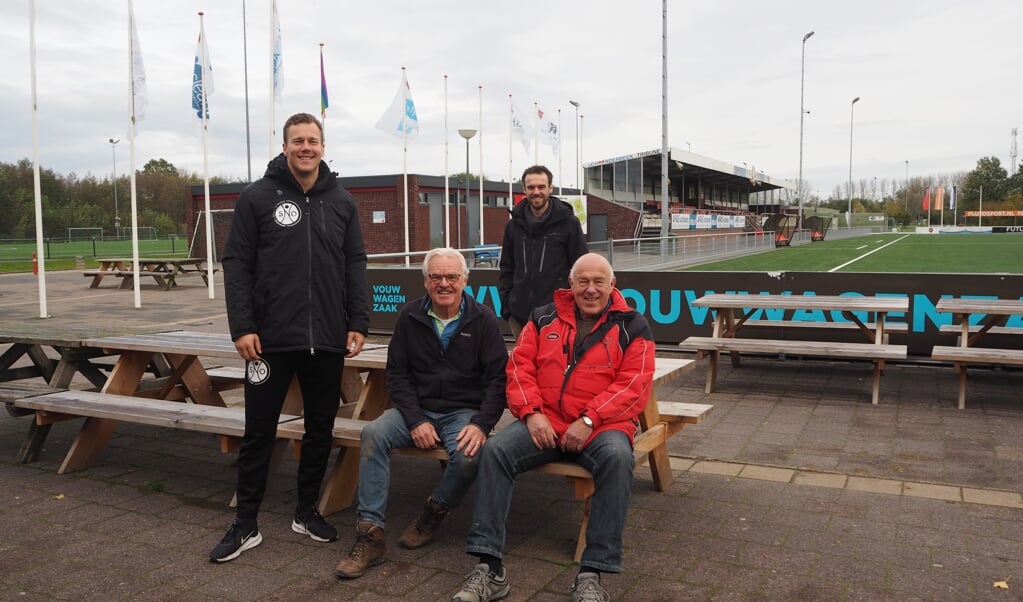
400,118
202,79
278,59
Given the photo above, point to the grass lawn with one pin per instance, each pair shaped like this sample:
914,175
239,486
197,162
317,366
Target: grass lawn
951,253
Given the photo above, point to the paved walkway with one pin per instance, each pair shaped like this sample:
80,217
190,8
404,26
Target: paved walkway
795,488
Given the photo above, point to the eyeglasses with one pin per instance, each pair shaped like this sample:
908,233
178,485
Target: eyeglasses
436,278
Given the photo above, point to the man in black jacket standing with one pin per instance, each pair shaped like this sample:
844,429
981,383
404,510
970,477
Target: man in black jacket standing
446,379
541,242
297,304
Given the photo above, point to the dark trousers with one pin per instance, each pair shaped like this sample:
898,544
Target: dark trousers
266,384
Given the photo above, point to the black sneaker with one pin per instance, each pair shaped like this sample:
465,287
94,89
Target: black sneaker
237,540
312,524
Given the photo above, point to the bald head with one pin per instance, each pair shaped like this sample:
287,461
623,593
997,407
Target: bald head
592,281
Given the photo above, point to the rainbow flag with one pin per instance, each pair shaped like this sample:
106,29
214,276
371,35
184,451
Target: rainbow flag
324,103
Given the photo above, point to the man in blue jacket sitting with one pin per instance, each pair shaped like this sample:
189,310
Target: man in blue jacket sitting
446,379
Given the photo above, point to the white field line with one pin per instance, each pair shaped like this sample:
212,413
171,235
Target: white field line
855,259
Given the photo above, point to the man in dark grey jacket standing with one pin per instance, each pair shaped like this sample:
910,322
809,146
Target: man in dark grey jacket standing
297,304
541,242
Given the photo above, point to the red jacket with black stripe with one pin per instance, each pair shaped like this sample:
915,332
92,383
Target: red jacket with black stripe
608,377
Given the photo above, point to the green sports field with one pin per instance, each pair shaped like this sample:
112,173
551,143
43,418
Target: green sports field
16,256
977,253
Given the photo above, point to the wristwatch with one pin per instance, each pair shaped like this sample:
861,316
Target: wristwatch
587,420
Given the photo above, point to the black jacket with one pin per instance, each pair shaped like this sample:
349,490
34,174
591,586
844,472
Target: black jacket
422,375
295,264
536,258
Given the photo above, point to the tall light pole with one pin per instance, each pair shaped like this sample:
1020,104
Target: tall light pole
906,208
802,112
852,108
576,105
117,213
467,134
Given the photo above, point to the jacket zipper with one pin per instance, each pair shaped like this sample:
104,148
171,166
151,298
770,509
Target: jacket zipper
309,273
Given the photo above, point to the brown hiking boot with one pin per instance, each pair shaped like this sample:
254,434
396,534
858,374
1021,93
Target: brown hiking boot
421,531
369,550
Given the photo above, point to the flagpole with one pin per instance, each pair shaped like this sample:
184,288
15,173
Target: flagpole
561,177
404,157
206,157
245,67
38,190
447,177
511,134
536,135
131,159
273,108
323,97
481,166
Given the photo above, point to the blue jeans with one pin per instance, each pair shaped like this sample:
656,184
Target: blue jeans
389,431
511,451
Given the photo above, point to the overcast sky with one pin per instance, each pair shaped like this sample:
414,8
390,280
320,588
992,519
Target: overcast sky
939,82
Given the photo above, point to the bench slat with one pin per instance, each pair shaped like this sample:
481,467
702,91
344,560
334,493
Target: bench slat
122,408
814,348
893,327
987,355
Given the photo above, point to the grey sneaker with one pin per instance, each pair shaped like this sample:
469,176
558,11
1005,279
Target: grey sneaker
483,586
587,589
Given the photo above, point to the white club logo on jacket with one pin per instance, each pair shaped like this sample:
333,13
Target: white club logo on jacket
257,371
287,214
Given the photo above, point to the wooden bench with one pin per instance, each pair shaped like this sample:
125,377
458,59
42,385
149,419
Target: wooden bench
103,411
962,356
859,351
340,487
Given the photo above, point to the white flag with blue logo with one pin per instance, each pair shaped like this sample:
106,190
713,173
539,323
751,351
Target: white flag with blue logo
202,78
278,60
400,119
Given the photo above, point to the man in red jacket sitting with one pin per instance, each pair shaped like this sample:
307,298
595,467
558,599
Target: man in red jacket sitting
578,379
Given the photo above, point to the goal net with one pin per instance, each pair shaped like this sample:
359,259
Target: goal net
84,234
220,221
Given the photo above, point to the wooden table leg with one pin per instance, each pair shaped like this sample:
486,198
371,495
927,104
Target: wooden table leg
342,482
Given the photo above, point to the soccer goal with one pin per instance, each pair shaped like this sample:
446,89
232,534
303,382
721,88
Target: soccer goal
220,222
74,234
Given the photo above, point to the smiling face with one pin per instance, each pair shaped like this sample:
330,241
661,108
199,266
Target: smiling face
444,281
303,148
538,192
592,281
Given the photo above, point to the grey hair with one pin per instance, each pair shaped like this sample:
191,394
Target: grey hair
445,252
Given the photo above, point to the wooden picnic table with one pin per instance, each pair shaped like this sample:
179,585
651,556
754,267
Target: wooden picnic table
806,315
973,320
37,342
164,271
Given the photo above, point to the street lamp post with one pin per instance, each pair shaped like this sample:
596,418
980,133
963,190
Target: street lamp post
117,213
852,108
576,105
802,112
467,134
906,208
